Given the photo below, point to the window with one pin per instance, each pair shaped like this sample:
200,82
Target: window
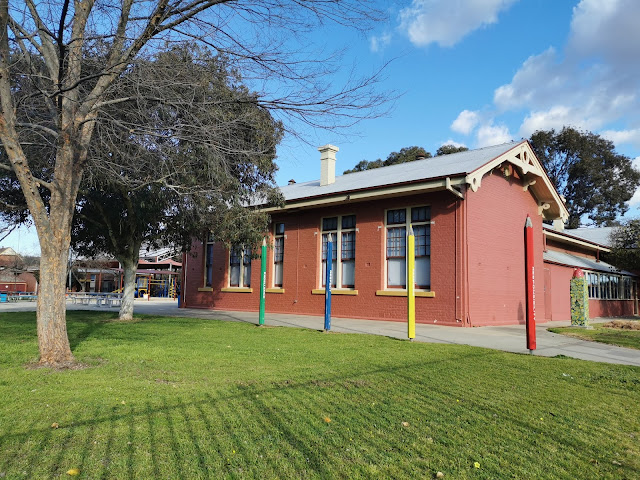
627,288
593,285
208,262
278,254
610,287
398,220
240,267
343,237
615,291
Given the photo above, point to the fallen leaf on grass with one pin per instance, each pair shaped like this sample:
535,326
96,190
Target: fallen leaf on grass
439,475
405,424
73,472
327,419
54,425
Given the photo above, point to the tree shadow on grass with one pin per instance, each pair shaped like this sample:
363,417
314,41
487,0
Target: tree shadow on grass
275,429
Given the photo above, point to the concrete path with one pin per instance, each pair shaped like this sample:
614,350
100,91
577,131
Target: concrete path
507,338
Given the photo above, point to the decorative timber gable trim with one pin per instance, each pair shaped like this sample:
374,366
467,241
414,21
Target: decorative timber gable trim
550,203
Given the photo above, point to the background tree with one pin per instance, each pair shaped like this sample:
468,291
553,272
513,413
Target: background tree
585,168
45,53
625,246
449,149
406,154
218,157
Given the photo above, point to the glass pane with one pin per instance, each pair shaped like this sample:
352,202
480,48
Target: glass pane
420,214
234,256
396,242
396,216
209,265
234,276
333,273
396,272
348,221
278,250
348,246
246,279
279,228
329,224
422,272
277,275
422,235
348,273
334,252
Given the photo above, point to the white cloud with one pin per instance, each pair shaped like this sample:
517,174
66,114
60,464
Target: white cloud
466,121
607,28
556,117
624,136
592,83
446,22
378,43
490,134
453,142
635,200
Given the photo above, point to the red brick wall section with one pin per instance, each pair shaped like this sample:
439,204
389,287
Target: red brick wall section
302,267
560,287
496,216
561,299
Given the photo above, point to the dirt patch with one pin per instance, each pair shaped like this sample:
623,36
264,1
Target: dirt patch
58,367
623,325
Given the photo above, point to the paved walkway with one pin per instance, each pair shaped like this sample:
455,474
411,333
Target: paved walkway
508,338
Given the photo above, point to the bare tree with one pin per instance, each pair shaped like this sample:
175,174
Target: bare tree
42,50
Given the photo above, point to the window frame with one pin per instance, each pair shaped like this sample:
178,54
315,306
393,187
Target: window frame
207,278
241,257
401,243
338,232
609,286
278,254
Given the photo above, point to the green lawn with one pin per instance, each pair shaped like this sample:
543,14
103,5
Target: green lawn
602,334
180,398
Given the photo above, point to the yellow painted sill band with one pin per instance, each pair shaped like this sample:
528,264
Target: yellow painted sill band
237,290
402,293
335,291
274,290
205,289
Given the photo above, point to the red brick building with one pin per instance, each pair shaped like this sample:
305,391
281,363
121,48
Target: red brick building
14,276
467,211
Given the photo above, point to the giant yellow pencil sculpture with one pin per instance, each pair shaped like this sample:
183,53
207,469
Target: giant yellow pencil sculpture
411,294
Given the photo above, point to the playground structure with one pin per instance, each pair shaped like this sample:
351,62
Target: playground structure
110,279
162,284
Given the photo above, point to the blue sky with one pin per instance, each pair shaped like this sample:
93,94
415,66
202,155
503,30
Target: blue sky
481,72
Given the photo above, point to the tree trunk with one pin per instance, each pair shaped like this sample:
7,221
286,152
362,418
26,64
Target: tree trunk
126,308
53,341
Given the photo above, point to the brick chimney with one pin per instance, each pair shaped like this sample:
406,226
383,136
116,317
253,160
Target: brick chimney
327,164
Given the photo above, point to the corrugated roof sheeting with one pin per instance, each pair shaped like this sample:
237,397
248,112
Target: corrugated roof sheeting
437,167
581,262
599,235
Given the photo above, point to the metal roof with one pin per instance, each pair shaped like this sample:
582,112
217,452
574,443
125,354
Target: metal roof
599,235
441,166
581,262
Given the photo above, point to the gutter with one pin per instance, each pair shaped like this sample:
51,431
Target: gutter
447,185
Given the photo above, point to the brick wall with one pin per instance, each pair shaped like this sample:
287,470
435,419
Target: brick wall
496,216
302,266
